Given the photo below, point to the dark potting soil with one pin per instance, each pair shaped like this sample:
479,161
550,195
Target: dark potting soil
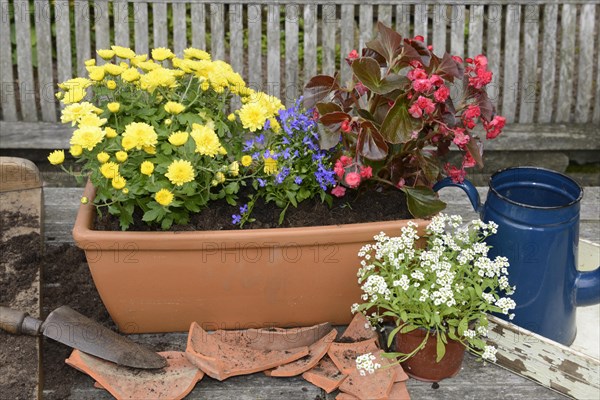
355,207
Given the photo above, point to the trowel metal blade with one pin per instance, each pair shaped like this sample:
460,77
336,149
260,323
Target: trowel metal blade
67,326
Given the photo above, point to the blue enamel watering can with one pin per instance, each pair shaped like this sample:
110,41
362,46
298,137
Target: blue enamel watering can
537,212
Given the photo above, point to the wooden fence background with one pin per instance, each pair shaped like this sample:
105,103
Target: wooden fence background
544,53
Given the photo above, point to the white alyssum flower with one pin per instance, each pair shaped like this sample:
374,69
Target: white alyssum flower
469,333
376,285
364,363
506,304
489,353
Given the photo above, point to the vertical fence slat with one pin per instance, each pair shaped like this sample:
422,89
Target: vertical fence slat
159,15
475,30
366,24
254,45
494,20
384,14
567,62
179,28
596,117
585,75
140,27
310,41
121,20
7,90
236,38
44,60
347,40
198,26
24,65
82,35
273,51
329,21
292,87
457,31
403,19
548,63
217,33
529,81
101,27
511,62
63,40
421,21
439,29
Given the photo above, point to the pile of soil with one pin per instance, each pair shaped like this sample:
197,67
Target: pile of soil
355,207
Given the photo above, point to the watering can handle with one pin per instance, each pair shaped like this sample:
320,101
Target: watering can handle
467,186
587,288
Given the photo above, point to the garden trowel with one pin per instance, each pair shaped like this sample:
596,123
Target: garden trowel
67,326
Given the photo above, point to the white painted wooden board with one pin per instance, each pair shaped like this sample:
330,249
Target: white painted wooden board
273,51
548,64
585,63
140,28
24,61
217,32
292,87
511,62
159,15
101,29
567,62
310,41
254,46
7,100
347,40
529,80
44,59
329,25
198,26
179,28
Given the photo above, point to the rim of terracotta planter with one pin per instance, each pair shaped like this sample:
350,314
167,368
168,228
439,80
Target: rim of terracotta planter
83,232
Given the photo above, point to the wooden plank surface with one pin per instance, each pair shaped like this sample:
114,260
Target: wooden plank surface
254,46
421,21
596,117
529,81
384,14
217,31
377,2
548,62
236,38
273,51
493,51
310,41
8,99
121,22
159,15
179,29
567,62
403,12
293,86
82,35
475,41
198,26
457,31
329,25
440,29
365,24
24,60
44,60
347,29
510,88
101,28
585,62
140,28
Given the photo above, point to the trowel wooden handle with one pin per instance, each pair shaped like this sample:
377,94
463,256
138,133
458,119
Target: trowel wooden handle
18,322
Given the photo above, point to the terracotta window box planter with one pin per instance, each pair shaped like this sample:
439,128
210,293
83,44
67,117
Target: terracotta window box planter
286,277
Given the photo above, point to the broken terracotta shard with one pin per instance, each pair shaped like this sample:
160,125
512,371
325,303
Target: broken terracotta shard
345,396
400,374
325,375
315,352
358,330
375,386
173,382
344,355
221,360
399,392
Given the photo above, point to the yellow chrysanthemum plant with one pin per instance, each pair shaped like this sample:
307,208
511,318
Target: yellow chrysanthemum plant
157,135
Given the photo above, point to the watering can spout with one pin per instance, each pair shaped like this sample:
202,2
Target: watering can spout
587,288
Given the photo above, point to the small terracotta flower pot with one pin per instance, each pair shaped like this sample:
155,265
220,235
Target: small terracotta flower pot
164,281
423,365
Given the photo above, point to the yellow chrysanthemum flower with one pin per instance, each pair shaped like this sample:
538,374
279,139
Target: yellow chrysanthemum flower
90,63
234,168
149,149
270,166
130,75
118,182
110,132
74,95
59,95
87,137
125,191
139,135
138,59
113,69
109,170
168,121
123,52
231,117
76,150
91,120
207,141
162,53
96,73
103,157
253,116
75,82
196,53
74,112
271,103
112,85
121,156
148,65
147,168
164,197
172,107
114,106
205,86
57,157
160,77
180,172
84,200
246,160
275,127
178,138
106,54
220,177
